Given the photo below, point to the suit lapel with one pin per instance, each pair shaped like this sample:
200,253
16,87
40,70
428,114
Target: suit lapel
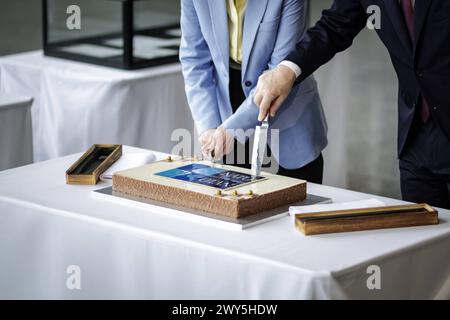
398,21
253,16
420,13
219,23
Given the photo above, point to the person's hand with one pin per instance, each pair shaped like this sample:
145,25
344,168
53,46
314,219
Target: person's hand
206,140
272,89
223,142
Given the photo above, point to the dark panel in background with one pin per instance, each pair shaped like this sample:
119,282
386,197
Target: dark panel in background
20,26
124,34
21,23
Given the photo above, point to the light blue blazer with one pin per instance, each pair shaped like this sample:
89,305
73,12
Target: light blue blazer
271,30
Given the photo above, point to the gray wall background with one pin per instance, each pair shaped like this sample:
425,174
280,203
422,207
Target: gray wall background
358,90
20,25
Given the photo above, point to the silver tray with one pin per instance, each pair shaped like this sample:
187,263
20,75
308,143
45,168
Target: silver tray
200,216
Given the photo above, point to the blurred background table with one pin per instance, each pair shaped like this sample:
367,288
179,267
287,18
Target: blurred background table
77,104
16,145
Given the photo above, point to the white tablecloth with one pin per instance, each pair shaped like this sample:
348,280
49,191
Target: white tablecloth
78,104
125,252
16,145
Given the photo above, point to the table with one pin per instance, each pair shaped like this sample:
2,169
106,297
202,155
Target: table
16,146
78,104
126,252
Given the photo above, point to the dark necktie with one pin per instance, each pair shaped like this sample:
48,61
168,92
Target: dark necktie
408,13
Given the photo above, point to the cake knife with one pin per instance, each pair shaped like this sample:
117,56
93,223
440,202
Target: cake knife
259,146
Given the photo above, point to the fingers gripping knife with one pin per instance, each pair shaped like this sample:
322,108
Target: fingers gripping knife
259,146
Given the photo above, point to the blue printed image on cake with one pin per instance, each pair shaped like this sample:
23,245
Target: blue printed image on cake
209,176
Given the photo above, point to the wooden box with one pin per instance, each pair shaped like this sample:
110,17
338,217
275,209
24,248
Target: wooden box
366,219
97,159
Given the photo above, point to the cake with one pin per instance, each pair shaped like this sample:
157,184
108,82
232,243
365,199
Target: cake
201,185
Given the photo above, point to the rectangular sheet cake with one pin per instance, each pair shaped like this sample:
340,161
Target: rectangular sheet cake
220,189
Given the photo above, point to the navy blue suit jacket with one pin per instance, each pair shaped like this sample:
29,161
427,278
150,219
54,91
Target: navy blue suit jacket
422,65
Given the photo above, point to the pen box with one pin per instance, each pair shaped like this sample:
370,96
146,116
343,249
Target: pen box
97,159
366,219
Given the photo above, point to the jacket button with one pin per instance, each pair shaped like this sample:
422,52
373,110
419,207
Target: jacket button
248,83
435,108
420,74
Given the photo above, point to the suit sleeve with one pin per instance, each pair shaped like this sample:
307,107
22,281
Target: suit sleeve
293,18
198,71
333,33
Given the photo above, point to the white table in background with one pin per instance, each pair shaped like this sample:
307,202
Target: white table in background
127,252
78,104
16,145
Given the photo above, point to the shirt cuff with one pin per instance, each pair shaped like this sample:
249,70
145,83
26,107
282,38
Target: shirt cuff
292,66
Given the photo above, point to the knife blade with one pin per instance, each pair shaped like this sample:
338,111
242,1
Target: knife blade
259,146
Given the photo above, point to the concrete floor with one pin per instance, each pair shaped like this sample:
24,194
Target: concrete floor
358,90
